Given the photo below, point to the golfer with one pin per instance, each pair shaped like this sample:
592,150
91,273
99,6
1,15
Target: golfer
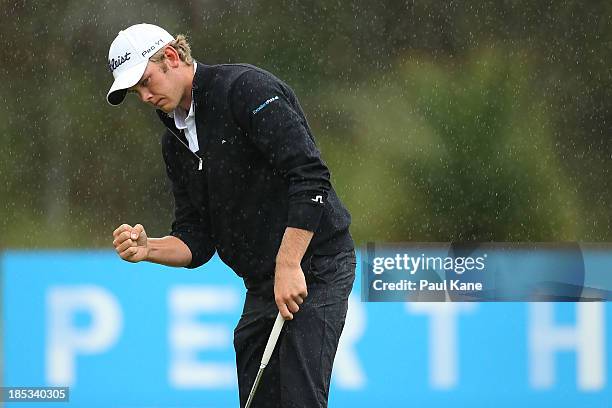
248,183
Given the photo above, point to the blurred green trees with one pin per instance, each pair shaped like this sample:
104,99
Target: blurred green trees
440,121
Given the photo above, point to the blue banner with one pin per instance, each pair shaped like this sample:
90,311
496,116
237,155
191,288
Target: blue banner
143,335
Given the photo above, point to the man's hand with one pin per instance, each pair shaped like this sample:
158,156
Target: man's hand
131,243
289,281
289,288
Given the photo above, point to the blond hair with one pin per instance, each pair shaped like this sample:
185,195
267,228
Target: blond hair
181,46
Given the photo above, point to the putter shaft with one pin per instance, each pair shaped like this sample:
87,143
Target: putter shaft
276,329
254,388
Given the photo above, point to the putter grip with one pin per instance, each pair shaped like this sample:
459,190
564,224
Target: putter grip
278,325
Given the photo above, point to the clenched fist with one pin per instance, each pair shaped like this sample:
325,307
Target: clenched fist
131,243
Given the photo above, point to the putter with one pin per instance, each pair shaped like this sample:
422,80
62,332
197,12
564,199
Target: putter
278,325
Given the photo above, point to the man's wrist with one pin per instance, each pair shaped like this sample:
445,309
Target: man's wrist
147,257
152,249
293,246
287,261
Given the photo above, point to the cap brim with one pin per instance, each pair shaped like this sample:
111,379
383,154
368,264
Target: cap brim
127,79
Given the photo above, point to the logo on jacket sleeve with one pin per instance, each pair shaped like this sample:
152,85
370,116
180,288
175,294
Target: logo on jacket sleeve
317,199
266,103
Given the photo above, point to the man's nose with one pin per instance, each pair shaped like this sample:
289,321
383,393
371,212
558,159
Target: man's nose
145,95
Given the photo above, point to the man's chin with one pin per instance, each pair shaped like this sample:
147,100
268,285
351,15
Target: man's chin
166,107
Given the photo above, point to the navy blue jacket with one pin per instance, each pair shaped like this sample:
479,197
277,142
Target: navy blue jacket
260,173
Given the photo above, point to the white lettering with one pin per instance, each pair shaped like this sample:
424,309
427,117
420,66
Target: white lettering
416,263
443,341
587,338
65,341
188,336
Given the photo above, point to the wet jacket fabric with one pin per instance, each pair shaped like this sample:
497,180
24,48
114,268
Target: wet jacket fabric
257,172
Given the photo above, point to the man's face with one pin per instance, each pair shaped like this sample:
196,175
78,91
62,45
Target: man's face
159,87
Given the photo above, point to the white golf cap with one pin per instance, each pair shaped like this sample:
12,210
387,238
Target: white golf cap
129,54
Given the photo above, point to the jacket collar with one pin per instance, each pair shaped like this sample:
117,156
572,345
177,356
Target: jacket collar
201,78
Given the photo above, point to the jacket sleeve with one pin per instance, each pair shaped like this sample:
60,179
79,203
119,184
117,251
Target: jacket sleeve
189,225
267,110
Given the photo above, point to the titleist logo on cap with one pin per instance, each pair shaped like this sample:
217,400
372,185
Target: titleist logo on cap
113,64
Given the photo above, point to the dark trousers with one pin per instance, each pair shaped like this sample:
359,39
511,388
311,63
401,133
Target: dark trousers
299,370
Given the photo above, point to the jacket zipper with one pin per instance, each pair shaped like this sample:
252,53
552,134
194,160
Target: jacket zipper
200,161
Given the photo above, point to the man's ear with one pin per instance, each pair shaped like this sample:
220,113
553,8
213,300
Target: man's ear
172,57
